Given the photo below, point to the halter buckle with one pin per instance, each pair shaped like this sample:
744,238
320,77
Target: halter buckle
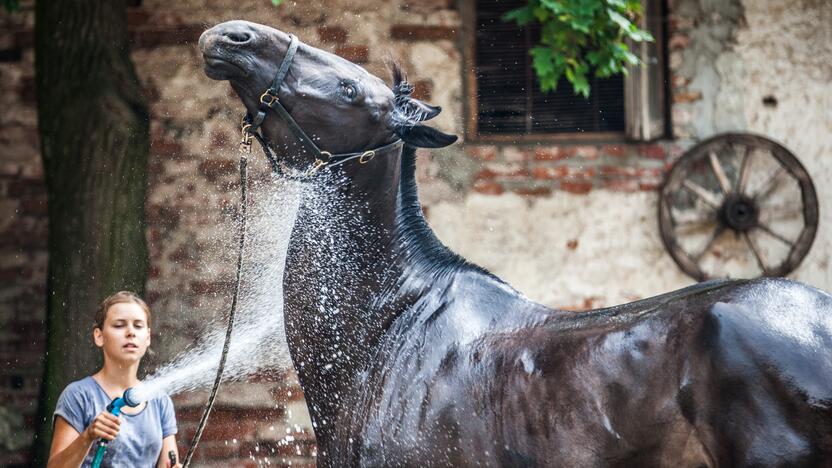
268,98
367,157
317,166
245,141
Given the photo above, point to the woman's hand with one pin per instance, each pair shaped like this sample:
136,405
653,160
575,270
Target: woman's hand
104,426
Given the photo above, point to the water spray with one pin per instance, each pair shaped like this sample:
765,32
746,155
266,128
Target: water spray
115,406
243,206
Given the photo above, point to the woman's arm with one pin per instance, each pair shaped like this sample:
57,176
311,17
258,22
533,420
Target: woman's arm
168,445
69,447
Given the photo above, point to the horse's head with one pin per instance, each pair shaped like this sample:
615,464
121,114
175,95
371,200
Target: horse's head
336,102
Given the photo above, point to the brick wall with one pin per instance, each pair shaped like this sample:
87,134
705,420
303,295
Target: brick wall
525,211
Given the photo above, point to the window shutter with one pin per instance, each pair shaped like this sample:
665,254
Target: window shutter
508,91
644,85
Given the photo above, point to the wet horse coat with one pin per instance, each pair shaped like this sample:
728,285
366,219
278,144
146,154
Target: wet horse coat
410,356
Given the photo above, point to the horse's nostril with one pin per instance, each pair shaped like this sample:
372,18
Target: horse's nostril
237,37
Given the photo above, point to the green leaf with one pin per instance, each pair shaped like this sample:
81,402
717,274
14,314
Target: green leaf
620,20
543,60
521,16
580,39
640,35
277,2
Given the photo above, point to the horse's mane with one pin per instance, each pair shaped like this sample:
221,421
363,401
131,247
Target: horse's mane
420,245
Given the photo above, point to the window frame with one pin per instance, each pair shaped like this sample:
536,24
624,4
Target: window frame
632,95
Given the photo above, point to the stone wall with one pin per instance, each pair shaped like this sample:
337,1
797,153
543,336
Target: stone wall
570,225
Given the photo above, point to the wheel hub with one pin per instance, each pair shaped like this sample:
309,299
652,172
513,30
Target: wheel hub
739,213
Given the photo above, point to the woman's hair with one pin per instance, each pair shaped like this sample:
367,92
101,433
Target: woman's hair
118,298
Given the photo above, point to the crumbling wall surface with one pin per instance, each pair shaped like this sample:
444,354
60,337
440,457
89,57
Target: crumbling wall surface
786,49
757,66
572,225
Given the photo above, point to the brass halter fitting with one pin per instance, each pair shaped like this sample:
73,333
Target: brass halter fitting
367,157
245,138
268,98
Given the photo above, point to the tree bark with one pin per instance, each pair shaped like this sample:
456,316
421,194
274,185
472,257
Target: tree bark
93,126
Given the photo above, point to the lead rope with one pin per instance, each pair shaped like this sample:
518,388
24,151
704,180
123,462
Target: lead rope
215,389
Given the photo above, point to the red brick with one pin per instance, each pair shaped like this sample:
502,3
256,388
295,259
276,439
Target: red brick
165,147
554,153
618,171
220,139
483,153
548,173
332,34
25,187
533,191
210,287
578,187
614,150
649,186
416,32
488,187
652,151
485,174
423,89
137,17
213,169
9,275
355,54
686,97
162,215
35,206
24,39
678,41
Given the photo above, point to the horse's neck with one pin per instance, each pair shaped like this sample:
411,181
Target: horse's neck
355,263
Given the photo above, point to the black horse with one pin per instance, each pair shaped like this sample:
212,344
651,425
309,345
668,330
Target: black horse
410,356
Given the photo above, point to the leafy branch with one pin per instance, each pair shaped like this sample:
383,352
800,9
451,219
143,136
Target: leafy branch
581,38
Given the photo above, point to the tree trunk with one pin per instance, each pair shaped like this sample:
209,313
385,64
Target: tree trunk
93,125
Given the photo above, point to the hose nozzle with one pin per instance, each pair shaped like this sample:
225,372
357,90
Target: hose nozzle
114,408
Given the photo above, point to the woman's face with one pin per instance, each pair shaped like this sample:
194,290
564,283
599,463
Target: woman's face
126,335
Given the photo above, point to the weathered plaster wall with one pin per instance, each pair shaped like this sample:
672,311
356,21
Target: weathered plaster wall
570,225
603,247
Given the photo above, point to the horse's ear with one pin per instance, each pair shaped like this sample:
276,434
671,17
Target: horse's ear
424,136
426,111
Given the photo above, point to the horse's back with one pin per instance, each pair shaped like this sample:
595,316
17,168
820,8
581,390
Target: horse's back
721,373
770,399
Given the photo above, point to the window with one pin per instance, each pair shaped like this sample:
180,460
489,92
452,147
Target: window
504,97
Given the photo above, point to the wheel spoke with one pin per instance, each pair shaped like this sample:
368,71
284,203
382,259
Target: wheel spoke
719,173
742,179
757,254
702,193
782,211
717,232
775,235
770,185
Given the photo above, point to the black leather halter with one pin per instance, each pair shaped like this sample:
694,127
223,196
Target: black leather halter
270,100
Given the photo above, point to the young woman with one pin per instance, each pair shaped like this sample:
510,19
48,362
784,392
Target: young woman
144,435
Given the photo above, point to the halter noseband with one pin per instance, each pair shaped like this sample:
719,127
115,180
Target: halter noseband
250,126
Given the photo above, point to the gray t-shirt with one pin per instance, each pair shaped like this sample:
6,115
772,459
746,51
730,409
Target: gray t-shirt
139,440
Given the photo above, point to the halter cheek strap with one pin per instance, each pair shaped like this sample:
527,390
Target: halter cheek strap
250,126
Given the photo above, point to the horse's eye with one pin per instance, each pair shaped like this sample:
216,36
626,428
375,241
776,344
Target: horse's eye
349,91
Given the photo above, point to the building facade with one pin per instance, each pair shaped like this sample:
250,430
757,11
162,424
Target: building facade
561,203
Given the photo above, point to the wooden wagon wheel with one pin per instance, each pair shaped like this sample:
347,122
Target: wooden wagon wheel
738,205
